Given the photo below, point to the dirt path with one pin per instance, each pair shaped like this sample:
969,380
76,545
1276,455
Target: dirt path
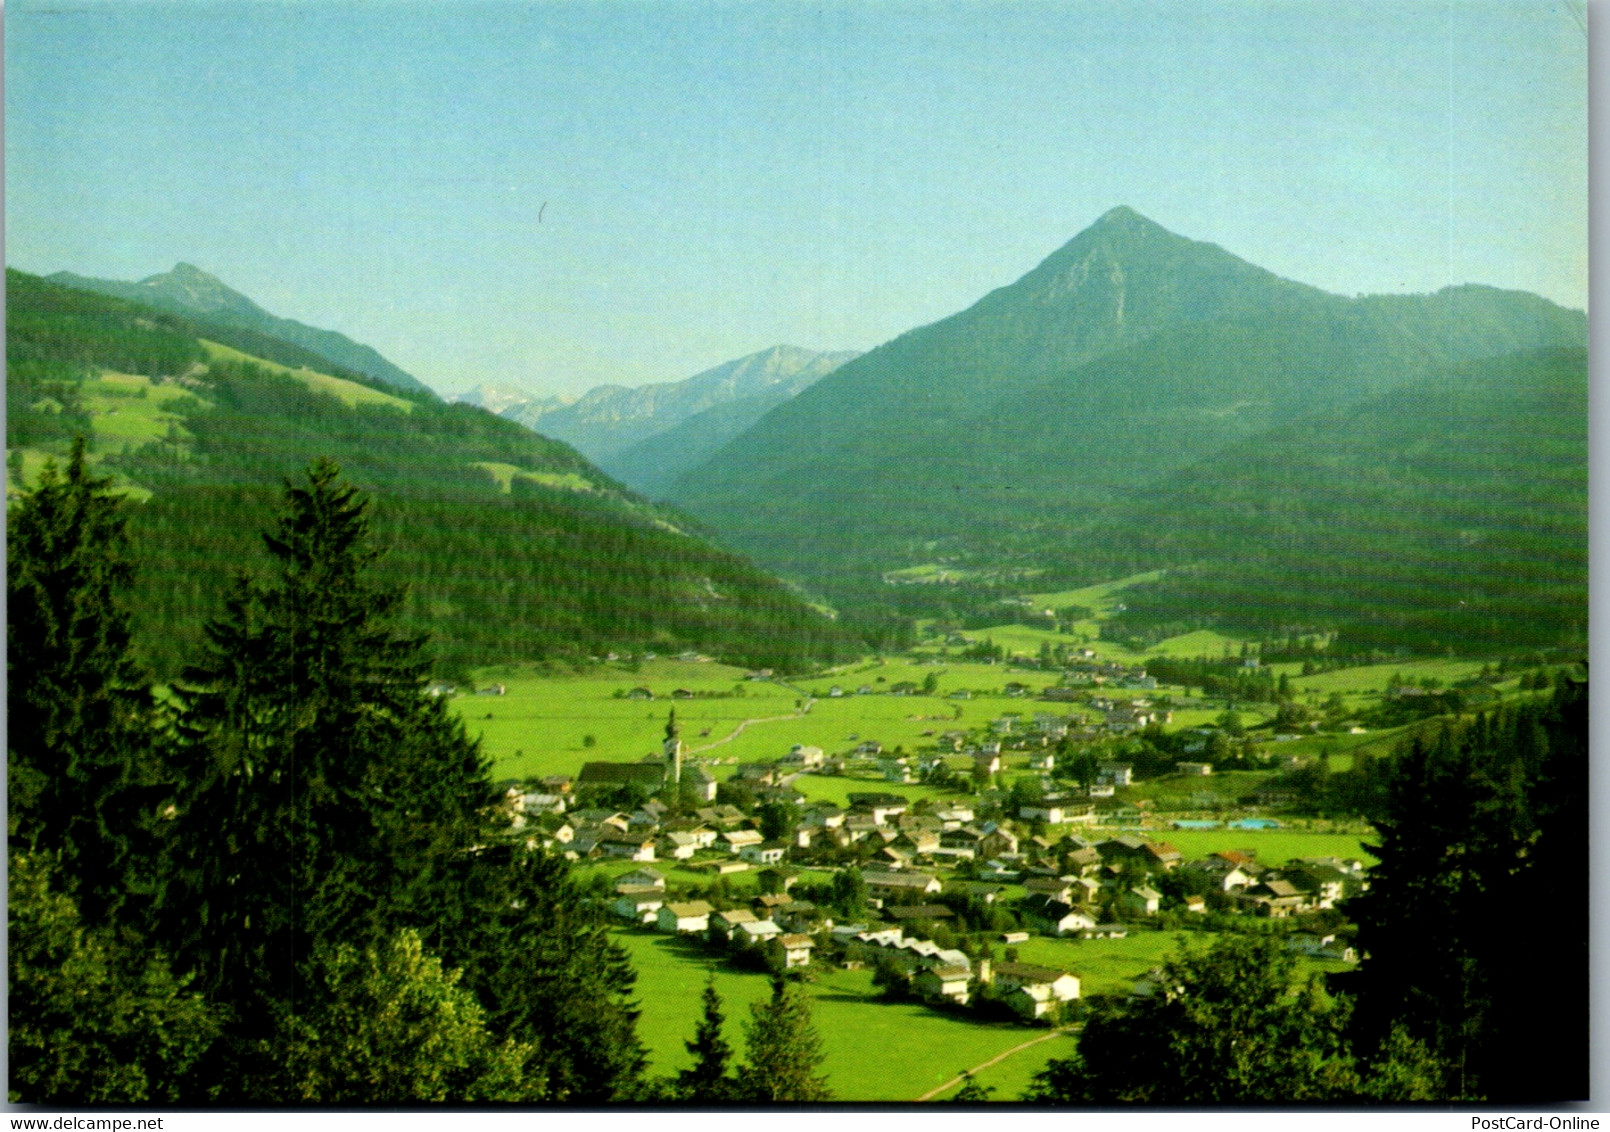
1000,1057
739,730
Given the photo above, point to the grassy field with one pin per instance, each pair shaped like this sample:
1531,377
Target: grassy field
1340,748
128,411
876,1051
505,474
1203,642
541,724
1100,597
1273,846
1012,1077
350,392
1110,966
1373,678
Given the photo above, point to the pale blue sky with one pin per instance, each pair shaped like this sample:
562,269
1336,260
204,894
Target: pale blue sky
714,178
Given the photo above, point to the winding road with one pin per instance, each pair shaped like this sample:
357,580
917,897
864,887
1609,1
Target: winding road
998,1058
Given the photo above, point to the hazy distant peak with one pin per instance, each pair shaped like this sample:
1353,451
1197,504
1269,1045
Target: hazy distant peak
501,398
200,291
1125,217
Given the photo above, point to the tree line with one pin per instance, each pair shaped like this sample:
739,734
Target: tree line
1487,817
282,881
557,571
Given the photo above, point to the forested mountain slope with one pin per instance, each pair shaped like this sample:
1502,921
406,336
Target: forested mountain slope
1006,436
512,545
1451,512
189,291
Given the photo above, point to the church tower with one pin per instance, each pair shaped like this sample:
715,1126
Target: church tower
673,751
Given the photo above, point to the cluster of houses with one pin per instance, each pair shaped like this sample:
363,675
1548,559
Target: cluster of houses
1068,877
1073,889
791,932
912,857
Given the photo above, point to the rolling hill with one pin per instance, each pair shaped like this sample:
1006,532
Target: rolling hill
511,545
189,291
1018,435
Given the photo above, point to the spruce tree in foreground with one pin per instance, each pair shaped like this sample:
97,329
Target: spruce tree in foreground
1491,813
95,1014
708,1081
332,804
326,793
783,1050
80,777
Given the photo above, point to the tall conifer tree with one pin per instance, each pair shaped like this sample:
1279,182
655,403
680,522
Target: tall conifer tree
328,795
708,1081
783,1050
79,772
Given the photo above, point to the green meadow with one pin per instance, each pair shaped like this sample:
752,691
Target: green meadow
127,410
876,1051
506,474
542,723
1111,966
349,392
1272,846
1374,677
1011,1078
1100,597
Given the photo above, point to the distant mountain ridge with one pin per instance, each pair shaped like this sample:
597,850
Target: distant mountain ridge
1006,434
636,433
188,290
502,400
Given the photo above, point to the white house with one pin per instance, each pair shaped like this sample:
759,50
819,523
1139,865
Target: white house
796,949
740,839
683,919
1143,900
1034,991
756,931
943,981
1115,774
723,925
640,878
640,907
764,853
804,757
633,846
900,884
679,846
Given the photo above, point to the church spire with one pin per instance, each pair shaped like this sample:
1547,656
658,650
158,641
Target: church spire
673,750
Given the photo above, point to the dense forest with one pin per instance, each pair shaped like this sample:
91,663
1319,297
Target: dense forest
565,560
287,881
1407,468
1489,814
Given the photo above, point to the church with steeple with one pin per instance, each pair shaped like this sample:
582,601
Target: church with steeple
673,751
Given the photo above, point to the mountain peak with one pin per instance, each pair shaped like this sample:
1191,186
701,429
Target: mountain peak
183,270
1123,215
202,292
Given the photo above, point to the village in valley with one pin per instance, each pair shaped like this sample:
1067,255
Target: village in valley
977,864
